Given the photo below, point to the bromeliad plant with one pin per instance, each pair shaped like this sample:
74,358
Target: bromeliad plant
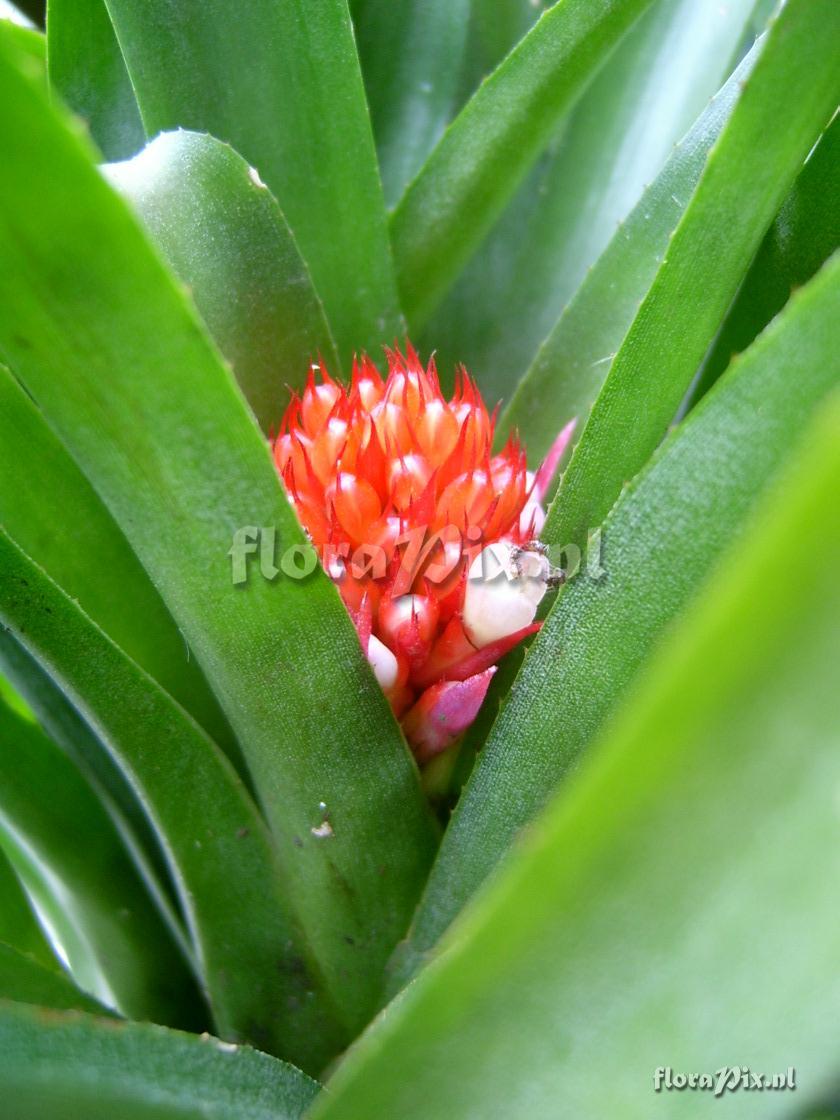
225,795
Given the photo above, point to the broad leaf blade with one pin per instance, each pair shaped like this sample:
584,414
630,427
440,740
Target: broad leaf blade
51,509
110,348
492,143
293,105
748,174
65,727
411,53
224,235
24,980
87,70
66,1065
658,545
64,847
658,870
805,233
615,142
570,367
498,25
220,855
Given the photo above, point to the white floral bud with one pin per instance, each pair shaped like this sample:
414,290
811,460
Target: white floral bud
505,585
383,663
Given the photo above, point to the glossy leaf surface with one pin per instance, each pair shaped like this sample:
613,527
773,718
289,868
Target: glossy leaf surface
658,545
19,928
281,83
24,980
65,727
661,861
87,70
411,53
67,1065
67,851
805,233
493,142
258,979
118,360
51,509
570,367
746,178
224,236
611,145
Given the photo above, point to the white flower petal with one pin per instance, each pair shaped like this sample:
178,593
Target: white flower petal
383,663
505,586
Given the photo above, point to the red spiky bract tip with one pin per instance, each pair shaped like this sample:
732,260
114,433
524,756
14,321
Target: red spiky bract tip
388,465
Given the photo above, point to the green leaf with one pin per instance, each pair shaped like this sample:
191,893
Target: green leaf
220,854
24,980
28,40
50,508
658,545
293,105
18,925
657,82
64,847
748,173
224,235
805,233
570,367
65,1065
113,352
14,700
411,52
498,25
87,70
701,833
495,27
63,724
488,149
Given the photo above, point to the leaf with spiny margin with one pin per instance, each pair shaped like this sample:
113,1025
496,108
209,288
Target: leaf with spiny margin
229,879
294,106
612,144
87,70
570,367
119,361
223,234
65,1065
657,547
657,868
488,149
749,171
51,509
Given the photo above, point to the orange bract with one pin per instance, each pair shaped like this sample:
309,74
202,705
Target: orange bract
399,491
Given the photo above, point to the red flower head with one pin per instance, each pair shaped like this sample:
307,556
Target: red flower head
428,535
